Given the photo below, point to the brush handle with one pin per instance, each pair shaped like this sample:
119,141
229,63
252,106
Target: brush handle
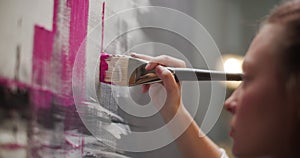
143,76
189,74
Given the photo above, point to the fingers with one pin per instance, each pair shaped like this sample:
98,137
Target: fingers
145,88
160,60
150,65
141,56
162,72
166,61
167,77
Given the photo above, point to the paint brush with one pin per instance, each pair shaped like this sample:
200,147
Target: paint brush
125,70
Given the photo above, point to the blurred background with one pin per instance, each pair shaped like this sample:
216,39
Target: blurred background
232,25
39,42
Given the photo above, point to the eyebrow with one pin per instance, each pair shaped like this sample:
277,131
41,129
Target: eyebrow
245,65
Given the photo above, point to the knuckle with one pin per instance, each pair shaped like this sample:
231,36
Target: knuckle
165,57
167,74
181,63
168,61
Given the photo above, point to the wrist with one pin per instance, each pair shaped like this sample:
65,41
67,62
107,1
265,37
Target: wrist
168,112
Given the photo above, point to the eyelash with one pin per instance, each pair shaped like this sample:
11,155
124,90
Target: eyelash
246,80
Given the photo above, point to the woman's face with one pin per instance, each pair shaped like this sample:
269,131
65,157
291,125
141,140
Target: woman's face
257,106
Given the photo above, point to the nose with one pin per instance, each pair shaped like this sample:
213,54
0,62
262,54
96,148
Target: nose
231,103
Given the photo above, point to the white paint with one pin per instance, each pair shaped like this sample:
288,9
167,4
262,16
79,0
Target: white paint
8,136
18,19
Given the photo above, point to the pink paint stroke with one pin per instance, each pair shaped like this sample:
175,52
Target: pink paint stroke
43,56
103,64
12,83
77,45
77,42
41,63
12,146
103,67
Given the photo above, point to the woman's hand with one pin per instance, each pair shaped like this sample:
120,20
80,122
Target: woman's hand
172,88
192,139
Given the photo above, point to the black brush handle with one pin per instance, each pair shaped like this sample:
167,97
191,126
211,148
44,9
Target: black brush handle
189,74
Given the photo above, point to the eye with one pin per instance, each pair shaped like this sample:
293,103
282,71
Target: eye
246,80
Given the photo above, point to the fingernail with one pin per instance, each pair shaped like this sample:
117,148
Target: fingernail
133,54
147,66
159,69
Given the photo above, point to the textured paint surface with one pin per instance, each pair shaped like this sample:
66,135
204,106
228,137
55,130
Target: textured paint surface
53,61
40,110
103,64
41,65
102,28
17,33
63,133
103,67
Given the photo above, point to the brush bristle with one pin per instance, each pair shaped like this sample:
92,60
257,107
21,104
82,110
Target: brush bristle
123,70
103,67
114,69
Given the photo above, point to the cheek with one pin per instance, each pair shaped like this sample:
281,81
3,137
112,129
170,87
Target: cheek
249,113
262,100
258,116
252,102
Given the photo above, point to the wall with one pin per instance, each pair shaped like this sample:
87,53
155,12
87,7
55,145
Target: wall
39,44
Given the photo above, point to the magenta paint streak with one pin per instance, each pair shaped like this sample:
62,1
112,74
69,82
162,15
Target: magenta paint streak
14,83
68,145
41,63
12,147
77,39
77,42
103,67
20,85
41,88
40,96
102,28
43,56
103,64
